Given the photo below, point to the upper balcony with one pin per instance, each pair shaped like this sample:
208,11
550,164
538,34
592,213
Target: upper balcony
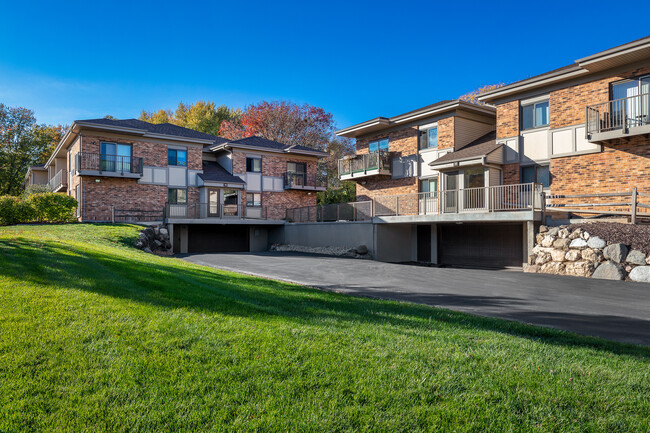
59,182
303,182
99,164
369,164
618,118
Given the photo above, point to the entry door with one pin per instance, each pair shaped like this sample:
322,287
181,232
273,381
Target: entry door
450,200
213,202
424,243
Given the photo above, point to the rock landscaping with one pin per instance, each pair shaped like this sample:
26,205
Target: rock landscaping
593,250
154,240
360,252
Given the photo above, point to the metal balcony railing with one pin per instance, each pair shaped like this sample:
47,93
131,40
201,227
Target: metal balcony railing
618,114
294,180
223,212
59,180
108,163
360,164
356,211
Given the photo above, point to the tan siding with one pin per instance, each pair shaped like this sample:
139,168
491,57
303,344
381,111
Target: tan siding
467,130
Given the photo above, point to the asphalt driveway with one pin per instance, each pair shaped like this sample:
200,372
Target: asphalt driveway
614,310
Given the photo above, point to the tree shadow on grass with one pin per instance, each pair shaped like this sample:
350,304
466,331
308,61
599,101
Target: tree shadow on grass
171,284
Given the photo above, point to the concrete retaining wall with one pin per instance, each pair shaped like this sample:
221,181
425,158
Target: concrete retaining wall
329,234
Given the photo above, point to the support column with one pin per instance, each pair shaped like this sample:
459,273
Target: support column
184,239
434,244
528,239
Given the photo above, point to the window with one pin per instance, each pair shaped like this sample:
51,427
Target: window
177,157
535,115
115,157
253,199
254,165
177,196
536,174
429,185
296,173
429,138
633,101
378,145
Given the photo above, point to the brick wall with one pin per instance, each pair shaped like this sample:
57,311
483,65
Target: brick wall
508,119
446,138
403,142
277,203
511,174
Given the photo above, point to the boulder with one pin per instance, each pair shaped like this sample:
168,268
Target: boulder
531,259
562,243
596,242
636,257
543,229
572,255
139,244
147,250
362,249
592,255
579,269
585,236
539,238
149,233
575,234
168,245
553,231
542,257
164,232
157,243
555,268
547,241
615,252
540,249
640,274
557,255
563,233
578,243
609,271
531,268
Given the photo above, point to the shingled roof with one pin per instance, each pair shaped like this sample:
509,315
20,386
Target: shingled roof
213,172
476,149
155,128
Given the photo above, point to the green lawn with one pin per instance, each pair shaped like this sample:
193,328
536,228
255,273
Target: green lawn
98,336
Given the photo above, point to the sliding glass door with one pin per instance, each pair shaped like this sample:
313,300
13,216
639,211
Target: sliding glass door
116,157
631,102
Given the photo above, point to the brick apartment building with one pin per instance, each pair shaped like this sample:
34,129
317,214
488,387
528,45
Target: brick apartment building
214,193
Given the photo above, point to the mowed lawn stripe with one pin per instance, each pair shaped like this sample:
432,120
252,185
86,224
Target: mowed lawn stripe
98,336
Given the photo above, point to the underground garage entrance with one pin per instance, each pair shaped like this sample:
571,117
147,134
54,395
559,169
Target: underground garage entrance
219,238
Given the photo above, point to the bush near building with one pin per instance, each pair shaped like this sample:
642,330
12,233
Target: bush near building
41,208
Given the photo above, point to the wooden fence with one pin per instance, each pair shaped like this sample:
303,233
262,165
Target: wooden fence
628,203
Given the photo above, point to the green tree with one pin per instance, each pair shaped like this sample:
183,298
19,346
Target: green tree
201,116
347,192
22,143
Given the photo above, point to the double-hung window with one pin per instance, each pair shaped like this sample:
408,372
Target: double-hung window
253,199
535,115
177,195
536,174
177,157
429,138
254,165
429,186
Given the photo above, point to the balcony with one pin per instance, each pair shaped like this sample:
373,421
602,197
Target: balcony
518,202
304,182
370,164
211,213
59,181
96,164
618,118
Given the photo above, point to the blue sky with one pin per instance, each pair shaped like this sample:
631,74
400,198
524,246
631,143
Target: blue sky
358,60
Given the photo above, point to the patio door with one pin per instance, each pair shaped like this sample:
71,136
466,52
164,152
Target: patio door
213,202
450,199
230,202
631,102
474,189
296,173
116,157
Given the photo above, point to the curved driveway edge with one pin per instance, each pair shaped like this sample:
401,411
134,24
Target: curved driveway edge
614,310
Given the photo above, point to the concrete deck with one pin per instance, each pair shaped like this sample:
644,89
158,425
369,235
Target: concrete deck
613,310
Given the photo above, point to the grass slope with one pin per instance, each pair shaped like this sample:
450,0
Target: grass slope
97,336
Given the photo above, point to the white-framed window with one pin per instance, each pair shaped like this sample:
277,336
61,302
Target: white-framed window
429,185
429,137
378,145
535,115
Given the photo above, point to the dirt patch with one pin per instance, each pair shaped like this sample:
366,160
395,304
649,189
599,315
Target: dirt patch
636,236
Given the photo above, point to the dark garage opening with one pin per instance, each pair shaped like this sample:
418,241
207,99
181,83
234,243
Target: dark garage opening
481,245
218,238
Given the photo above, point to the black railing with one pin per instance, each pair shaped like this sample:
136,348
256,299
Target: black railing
303,181
108,163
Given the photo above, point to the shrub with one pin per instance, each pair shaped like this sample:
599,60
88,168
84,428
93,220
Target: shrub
8,209
52,207
35,189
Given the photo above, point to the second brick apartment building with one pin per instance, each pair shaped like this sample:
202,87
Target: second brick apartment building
215,194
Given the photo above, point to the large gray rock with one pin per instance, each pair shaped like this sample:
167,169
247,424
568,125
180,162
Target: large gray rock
636,257
149,233
563,233
562,244
542,257
640,274
147,250
362,249
579,269
164,232
609,271
578,243
596,242
615,252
